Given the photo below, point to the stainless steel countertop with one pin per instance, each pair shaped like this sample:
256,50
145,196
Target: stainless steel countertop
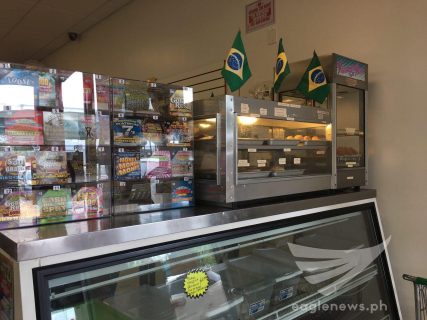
47,240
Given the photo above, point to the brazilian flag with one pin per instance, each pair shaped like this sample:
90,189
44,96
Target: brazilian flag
236,68
313,83
282,67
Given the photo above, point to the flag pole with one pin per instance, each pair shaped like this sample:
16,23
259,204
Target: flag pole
273,96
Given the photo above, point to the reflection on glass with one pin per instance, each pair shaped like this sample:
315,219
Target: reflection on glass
250,276
16,97
73,93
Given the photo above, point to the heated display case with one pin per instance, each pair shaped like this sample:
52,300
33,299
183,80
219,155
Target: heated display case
75,146
249,149
256,262
347,101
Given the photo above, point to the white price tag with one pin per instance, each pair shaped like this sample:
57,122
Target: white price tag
261,161
56,188
350,178
53,71
121,81
156,117
121,115
243,163
252,150
98,77
320,152
287,150
55,110
280,112
101,149
263,111
290,119
282,160
122,184
350,131
78,148
261,165
297,160
153,84
36,148
100,185
244,108
186,178
7,191
55,149
184,119
184,149
121,150
7,149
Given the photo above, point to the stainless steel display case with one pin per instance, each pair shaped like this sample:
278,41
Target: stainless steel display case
347,101
247,149
134,265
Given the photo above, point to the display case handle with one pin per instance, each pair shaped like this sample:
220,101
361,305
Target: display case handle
218,149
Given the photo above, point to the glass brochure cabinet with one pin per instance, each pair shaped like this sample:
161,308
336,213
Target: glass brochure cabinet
250,273
58,157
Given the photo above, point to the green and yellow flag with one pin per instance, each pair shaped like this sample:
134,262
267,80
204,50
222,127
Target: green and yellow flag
236,68
282,67
313,83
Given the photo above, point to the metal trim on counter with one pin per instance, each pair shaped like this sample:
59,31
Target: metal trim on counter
48,240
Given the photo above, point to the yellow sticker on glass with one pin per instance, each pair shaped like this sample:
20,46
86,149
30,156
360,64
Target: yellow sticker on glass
196,284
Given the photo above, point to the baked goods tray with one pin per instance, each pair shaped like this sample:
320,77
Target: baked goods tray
315,143
250,142
254,174
288,173
275,142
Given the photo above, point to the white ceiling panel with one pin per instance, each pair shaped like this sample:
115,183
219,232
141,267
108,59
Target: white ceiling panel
33,29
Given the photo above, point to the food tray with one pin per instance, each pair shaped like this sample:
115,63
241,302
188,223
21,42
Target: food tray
315,143
275,142
250,142
254,174
288,173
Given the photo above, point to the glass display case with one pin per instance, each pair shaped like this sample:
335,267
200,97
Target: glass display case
347,101
248,149
55,162
153,146
75,146
254,272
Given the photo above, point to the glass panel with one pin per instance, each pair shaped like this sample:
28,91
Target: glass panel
55,159
205,148
278,148
254,276
152,142
350,127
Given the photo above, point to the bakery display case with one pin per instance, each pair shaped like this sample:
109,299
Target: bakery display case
152,146
243,272
248,149
347,101
55,162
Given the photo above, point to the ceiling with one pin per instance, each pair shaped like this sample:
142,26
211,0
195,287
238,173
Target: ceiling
30,30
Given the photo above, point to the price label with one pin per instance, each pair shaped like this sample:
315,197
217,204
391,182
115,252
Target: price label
156,117
101,149
7,191
287,150
244,108
7,149
243,163
121,150
122,183
282,160
184,119
350,131
290,119
261,161
36,148
98,77
251,150
56,188
263,111
121,81
153,84
350,178
100,185
7,108
121,115
55,110
297,160
186,178
184,149
54,149
320,152
280,112
5,65
261,165
78,148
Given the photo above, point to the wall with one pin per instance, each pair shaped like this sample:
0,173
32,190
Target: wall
168,38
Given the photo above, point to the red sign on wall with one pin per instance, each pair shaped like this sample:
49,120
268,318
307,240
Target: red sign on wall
259,14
